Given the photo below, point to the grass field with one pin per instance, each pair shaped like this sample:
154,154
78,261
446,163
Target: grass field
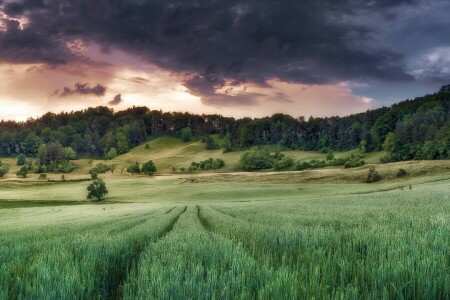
314,234
227,241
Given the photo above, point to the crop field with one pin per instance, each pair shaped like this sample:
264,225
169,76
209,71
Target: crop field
202,241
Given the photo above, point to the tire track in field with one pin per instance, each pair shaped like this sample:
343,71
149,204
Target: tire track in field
114,290
249,250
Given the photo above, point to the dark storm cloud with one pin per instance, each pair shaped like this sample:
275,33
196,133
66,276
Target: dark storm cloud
117,100
218,42
81,89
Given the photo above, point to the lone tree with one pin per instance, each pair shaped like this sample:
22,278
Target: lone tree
134,168
21,160
97,190
148,168
23,172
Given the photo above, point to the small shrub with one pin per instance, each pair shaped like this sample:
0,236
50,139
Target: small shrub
147,146
148,168
100,168
401,173
330,155
42,176
65,167
4,169
21,160
372,176
256,160
182,169
94,175
284,163
134,168
210,144
23,172
111,154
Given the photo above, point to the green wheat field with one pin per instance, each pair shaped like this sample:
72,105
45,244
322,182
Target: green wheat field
167,239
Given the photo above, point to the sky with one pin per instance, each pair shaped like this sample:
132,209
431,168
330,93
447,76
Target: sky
236,58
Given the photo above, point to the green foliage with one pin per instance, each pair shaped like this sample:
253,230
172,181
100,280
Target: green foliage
42,176
372,176
21,160
351,161
100,168
97,190
208,164
256,160
23,172
134,168
210,143
227,145
69,154
50,153
148,168
111,154
147,146
186,134
4,169
65,167
401,173
283,163
94,175
330,155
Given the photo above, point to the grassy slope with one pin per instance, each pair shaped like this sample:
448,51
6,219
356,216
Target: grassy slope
168,152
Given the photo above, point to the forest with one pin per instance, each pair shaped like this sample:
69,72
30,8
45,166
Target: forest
411,129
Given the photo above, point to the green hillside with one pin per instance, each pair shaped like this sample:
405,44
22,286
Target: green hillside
168,152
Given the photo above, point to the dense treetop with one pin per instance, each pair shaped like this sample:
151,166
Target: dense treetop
412,129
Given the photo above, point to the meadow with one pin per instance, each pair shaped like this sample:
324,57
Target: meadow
168,238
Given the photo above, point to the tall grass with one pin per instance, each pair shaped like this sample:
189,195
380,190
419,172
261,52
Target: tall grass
385,245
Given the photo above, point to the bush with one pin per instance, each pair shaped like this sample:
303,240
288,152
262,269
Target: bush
147,146
21,160
42,176
324,150
210,144
218,163
148,168
134,168
207,164
97,190
38,169
284,163
111,154
386,159
23,172
330,155
94,175
100,168
4,169
186,134
256,160
373,176
65,167
401,173
69,153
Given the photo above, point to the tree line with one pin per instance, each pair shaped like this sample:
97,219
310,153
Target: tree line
412,129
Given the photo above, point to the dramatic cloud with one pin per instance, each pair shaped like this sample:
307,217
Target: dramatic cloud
309,41
385,50
116,101
81,89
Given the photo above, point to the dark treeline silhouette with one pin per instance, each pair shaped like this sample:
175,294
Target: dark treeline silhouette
412,129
